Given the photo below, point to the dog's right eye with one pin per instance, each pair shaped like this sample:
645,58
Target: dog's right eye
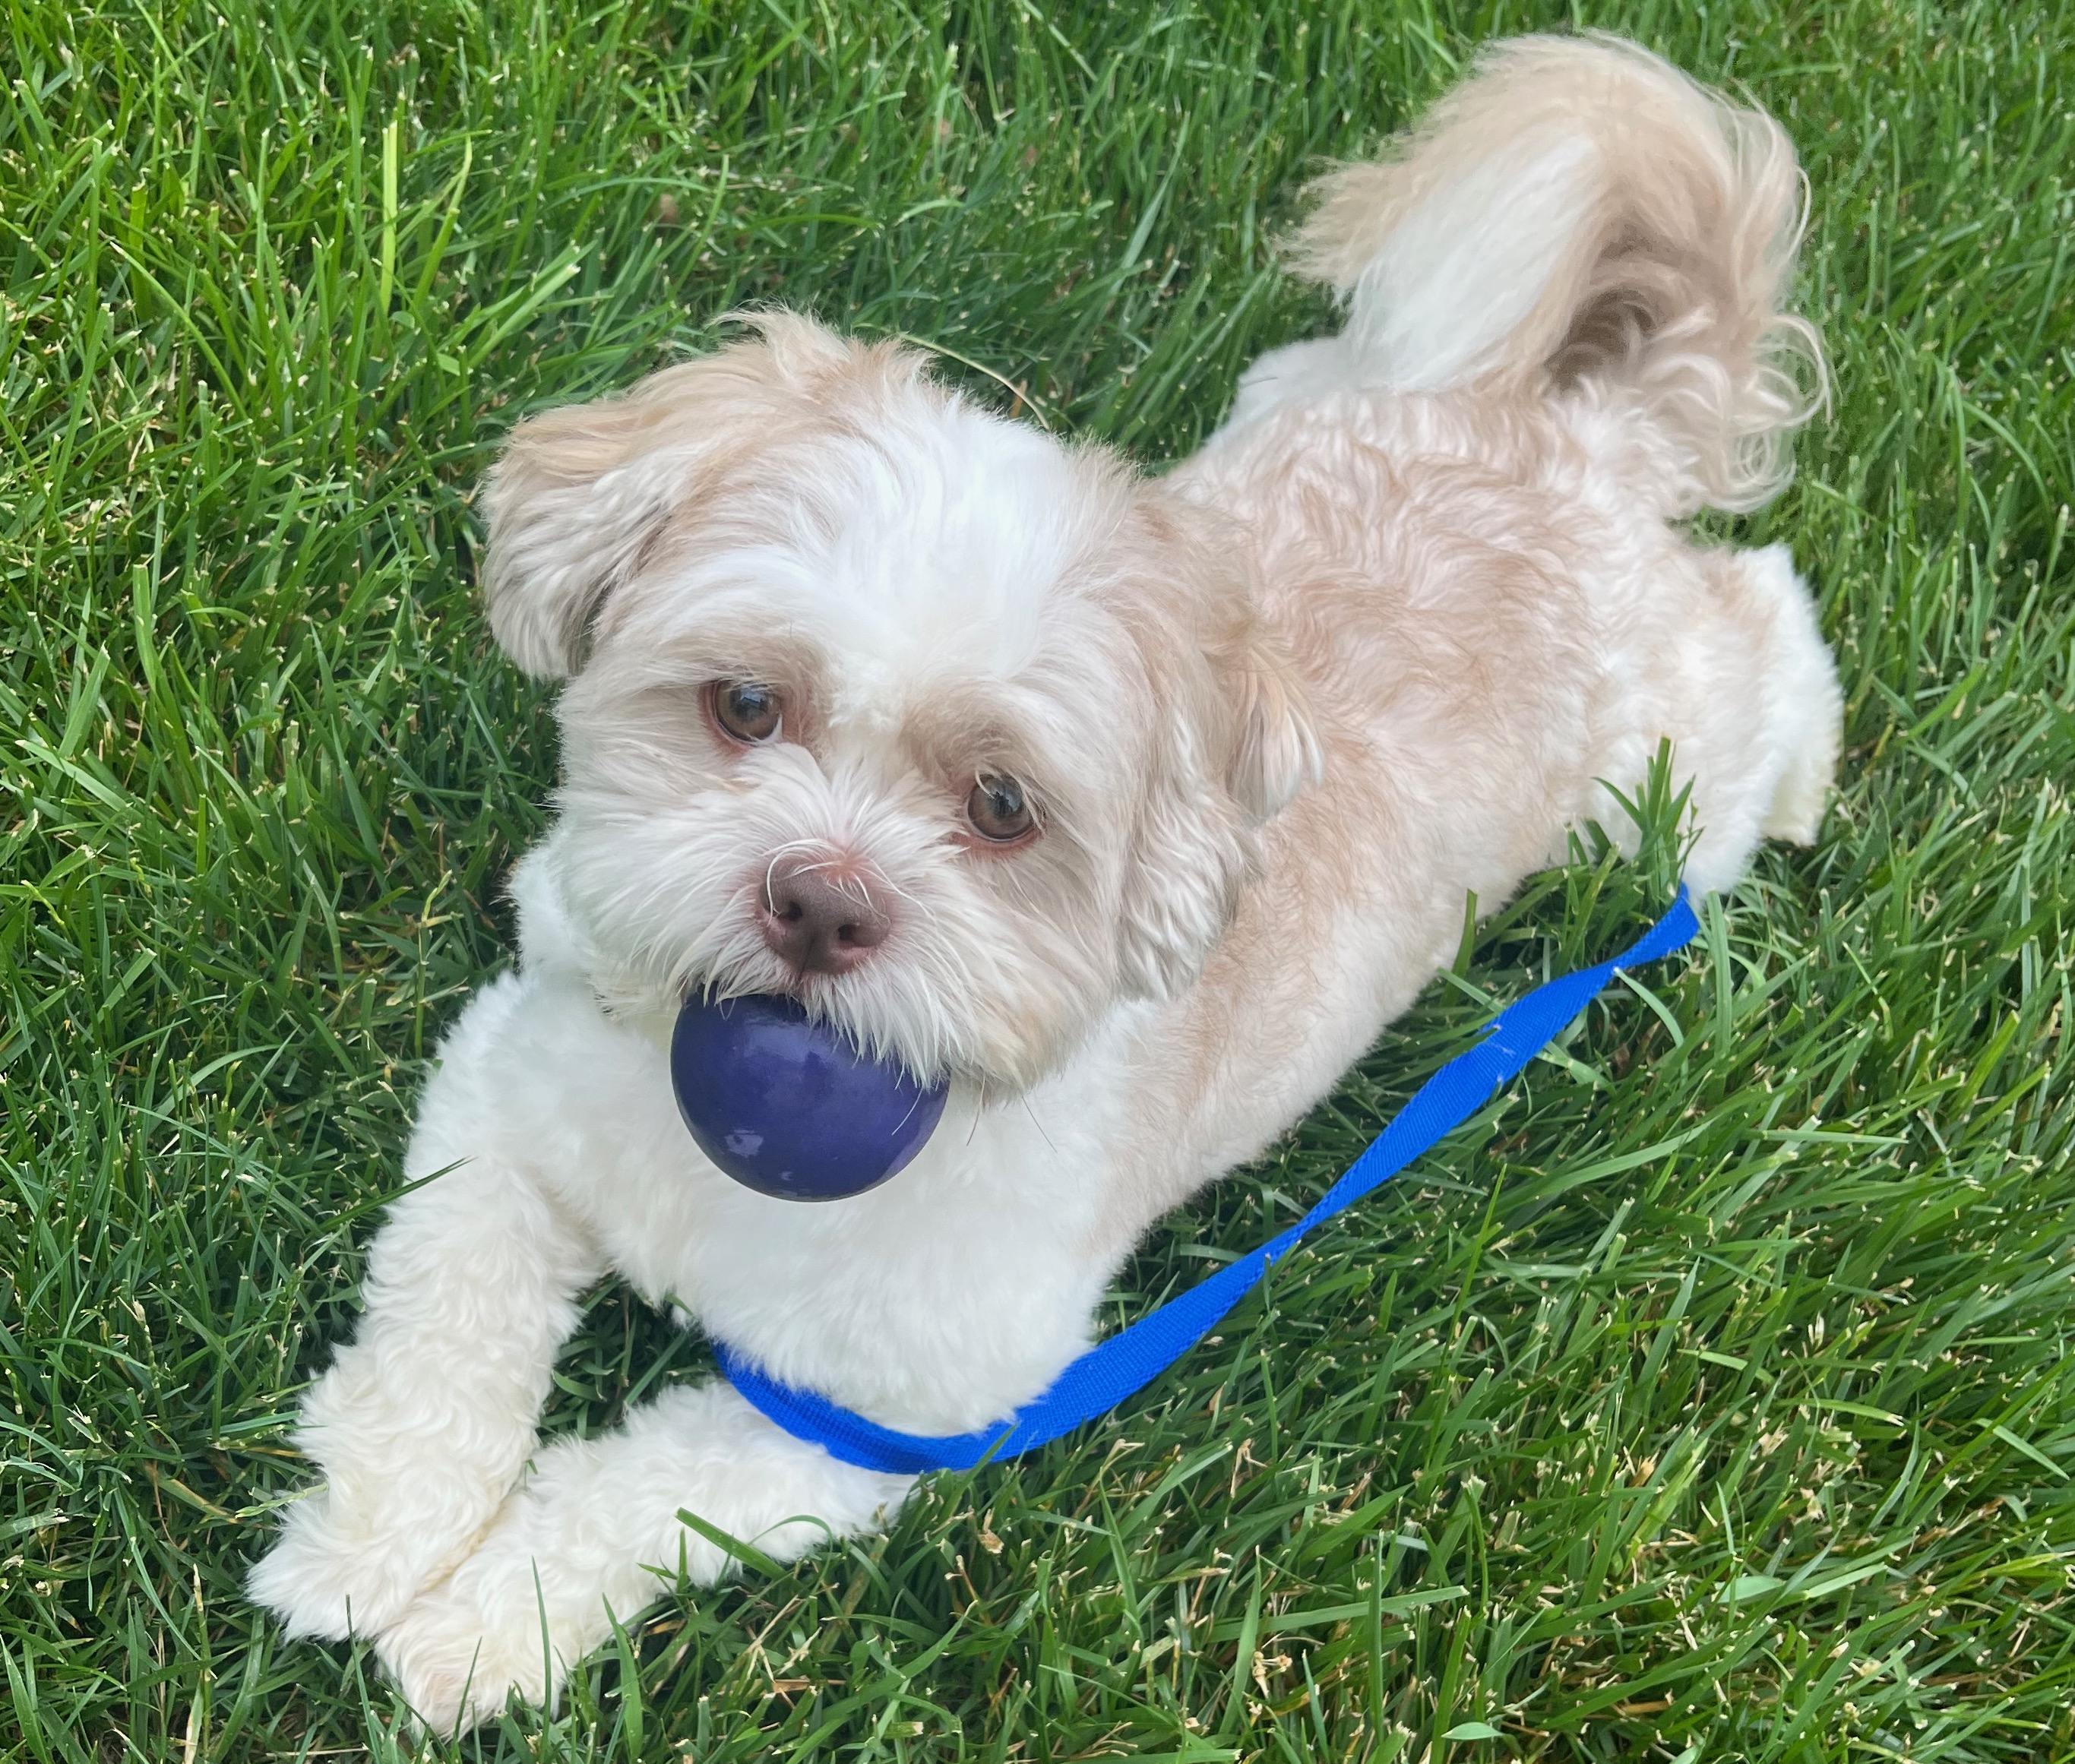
1000,811
745,710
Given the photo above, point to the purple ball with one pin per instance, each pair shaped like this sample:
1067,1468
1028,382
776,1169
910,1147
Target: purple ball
789,1107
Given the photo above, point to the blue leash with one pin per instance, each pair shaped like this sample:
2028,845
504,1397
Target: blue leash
1133,1358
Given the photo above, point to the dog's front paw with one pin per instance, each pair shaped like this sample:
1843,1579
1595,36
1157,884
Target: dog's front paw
330,1576
464,1646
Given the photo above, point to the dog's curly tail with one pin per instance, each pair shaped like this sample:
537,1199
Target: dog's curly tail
1580,217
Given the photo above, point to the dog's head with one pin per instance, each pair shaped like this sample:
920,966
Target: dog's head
955,734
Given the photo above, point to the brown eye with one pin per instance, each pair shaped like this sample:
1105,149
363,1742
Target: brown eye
746,710
999,810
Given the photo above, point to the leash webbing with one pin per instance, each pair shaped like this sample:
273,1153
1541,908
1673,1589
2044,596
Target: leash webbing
1133,1358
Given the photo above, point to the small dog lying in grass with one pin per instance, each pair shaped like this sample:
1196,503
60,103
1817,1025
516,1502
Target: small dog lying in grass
1135,808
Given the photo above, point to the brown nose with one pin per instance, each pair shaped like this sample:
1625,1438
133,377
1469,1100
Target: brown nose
817,927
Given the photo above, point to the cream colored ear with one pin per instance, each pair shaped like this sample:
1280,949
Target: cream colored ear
582,493
1234,744
1277,752
1191,851
577,498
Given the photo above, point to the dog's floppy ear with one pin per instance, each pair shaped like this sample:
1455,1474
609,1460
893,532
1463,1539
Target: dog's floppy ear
1233,745
1277,752
582,492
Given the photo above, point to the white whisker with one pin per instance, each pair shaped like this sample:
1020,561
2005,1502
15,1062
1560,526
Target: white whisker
1038,1124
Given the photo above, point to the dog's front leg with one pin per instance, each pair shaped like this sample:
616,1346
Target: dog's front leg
423,1425
594,1534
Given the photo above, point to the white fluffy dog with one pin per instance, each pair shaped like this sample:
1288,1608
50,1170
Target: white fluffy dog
1134,808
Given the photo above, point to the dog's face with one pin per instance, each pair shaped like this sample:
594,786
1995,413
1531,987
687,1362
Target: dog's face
957,736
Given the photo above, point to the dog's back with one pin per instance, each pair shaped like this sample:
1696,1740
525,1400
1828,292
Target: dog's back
1565,332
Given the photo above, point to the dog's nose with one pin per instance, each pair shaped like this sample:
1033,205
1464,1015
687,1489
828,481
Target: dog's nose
817,926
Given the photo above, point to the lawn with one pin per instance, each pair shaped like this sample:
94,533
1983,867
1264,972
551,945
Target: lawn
1707,1400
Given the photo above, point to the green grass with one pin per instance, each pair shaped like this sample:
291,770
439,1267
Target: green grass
1709,1402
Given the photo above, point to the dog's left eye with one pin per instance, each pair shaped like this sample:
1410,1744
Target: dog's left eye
746,710
999,810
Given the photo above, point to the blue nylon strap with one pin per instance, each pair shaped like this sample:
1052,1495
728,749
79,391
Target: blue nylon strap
1133,1358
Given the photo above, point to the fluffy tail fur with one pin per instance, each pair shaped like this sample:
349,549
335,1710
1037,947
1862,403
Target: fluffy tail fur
1581,216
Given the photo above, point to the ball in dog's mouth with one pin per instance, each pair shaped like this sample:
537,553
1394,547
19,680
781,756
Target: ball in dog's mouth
790,1108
